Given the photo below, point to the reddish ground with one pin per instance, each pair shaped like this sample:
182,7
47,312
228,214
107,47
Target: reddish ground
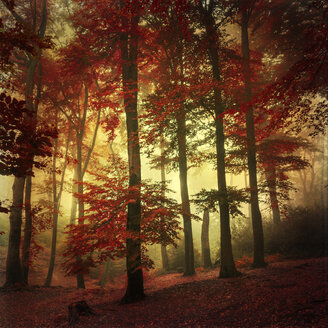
291,293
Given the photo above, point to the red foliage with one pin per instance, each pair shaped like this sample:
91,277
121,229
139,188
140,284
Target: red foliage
102,233
18,144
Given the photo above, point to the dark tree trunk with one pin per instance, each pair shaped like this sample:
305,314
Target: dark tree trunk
14,274
248,205
189,267
129,55
251,151
27,230
228,268
79,276
18,192
165,259
272,185
206,254
53,250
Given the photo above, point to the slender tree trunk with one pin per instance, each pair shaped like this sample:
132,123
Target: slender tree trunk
272,185
18,192
56,205
206,254
79,276
14,274
228,268
104,276
189,266
129,55
251,152
248,204
27,230
28,187
165,260
74,199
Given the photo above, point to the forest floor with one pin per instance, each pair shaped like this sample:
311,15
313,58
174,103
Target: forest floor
290,293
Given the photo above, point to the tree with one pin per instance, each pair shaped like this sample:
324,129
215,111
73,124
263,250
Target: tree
77,115
258,237
277,156
104,232
170,106
129,56
37,27
57,190
208,22
206,254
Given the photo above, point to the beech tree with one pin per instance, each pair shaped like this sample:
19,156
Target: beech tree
171,108
77,114
35,23
246,11
103,232
206,254
57,190
206,10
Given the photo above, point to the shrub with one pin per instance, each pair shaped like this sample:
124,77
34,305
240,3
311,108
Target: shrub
304,234
176,257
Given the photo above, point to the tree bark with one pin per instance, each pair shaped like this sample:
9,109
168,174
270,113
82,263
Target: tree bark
129,55
189,266
79,276
18,187
251,151
272,185
228,268
14,274
165,260
27,230
74,199
206,254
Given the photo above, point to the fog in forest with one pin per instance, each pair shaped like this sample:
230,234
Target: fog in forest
149,148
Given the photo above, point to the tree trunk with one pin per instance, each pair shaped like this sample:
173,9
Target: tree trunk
14,274
54,217
27,230
251,152
129,55
248,204
206,254
79,276
104,275
165,260
56,205
189,266
74,199
228,268
18,192
272,185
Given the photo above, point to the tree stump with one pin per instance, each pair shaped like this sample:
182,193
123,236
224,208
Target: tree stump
77,309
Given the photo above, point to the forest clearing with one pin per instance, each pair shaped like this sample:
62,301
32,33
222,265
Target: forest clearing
288,293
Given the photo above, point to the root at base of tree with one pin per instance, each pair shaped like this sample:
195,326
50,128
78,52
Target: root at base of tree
77,309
